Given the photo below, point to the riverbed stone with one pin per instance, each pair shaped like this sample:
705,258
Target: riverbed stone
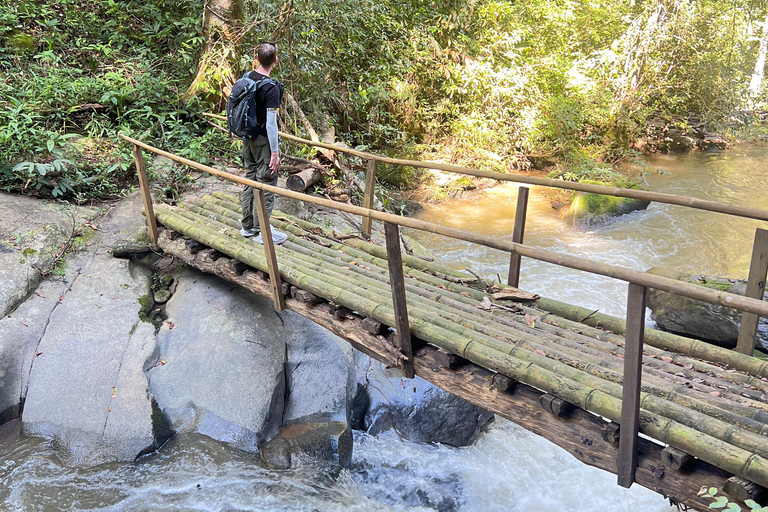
417,410
31,234
219,369
588,209
87,390
712,323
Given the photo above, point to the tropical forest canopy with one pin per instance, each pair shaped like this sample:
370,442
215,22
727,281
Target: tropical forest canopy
487,83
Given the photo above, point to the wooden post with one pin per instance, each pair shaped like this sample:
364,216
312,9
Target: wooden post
370,182
758,268
517,235
395,261
269,250
630,396
141,170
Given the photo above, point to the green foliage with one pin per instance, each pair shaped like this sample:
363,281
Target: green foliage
722,502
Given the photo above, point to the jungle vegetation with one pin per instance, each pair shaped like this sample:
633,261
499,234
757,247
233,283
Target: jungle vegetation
494,84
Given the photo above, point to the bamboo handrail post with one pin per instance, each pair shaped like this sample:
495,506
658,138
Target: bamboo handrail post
269,250
370,183
630,397
146,196
397,283
758,269
513,279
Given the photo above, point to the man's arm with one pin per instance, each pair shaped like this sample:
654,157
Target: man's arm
274,146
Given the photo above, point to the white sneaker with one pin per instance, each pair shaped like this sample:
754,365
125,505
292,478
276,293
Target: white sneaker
277,237
247,232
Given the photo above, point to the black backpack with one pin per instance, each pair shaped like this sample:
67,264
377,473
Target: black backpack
241,107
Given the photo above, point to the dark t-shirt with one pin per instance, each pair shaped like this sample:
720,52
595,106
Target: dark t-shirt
269,96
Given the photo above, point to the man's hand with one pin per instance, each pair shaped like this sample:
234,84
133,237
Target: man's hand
274,162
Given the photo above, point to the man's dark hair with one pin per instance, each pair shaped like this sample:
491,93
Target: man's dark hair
267,54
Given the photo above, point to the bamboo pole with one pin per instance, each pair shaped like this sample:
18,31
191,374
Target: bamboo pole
659,197
758,269
370,183
676,413
728,457
642,278
146,196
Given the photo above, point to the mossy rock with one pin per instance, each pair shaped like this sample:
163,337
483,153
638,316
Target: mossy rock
712,323
588,209
22,43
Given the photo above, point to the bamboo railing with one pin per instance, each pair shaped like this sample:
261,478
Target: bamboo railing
638,281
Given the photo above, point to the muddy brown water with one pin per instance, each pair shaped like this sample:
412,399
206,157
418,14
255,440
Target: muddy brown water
507,469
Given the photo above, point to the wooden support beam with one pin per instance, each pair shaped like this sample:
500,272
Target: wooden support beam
305,297
449,360
502,383
674,458
611,433
146,196
395,262
171,234
554,405
239,267
339,311
372,326
758,269
513,279
630,397
194,246
370,184
743,490
269,250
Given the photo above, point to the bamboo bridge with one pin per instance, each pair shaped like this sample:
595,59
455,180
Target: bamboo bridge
670,413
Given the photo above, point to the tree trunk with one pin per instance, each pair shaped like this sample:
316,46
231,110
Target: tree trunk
217,67
756,83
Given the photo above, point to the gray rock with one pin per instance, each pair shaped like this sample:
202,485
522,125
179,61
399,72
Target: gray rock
20,335
219,370
322,384
87,390
712,323
31,233
419,411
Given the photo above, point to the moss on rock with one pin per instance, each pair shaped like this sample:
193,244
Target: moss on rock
588,209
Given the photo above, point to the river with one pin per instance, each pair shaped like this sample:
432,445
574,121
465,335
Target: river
507,469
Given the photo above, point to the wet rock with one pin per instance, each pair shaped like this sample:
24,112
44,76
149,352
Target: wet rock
713,323
219,369
712,143
419,411
588,209
162,295
676,142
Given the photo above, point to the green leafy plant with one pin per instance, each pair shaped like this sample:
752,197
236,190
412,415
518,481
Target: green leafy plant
722,502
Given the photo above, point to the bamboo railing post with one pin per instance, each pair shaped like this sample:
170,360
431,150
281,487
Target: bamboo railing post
630,397
758,269
370,182
141,170
395,263
517,236
269,250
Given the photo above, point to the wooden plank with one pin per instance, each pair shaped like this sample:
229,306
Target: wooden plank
630,397
146,197
370,183
395,262
758,269
583,435
269,250
513,279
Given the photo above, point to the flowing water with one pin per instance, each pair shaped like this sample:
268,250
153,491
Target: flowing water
507,469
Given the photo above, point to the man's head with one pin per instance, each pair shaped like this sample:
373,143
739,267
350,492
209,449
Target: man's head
267,55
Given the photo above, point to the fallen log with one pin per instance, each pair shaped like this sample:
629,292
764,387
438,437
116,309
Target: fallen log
301,180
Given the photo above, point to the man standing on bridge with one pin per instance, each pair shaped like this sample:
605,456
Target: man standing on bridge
261,152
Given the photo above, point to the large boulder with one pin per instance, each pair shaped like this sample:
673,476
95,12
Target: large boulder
712,323
416,409
220,364
87,390
588,209
321,383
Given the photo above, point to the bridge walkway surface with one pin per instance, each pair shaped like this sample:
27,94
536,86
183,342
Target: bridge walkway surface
703,421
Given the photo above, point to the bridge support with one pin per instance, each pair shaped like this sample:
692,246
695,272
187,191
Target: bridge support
513,279
269,250
368,196
395,262
630,397
758,269
146,197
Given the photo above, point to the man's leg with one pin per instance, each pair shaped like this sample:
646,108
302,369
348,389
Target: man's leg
265,176
251,172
